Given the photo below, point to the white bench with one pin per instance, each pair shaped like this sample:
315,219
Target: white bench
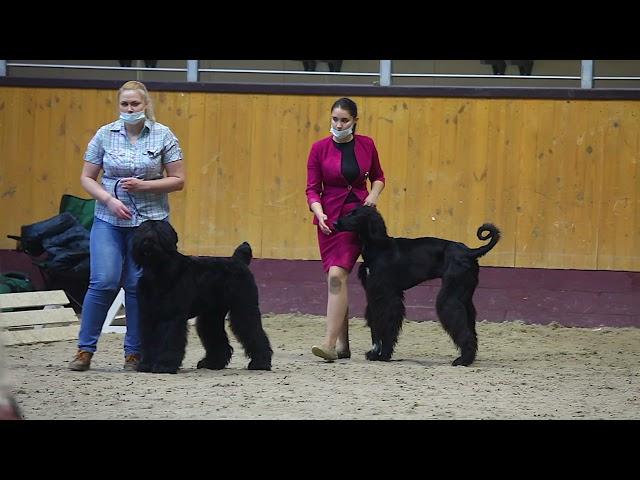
34,317
116,318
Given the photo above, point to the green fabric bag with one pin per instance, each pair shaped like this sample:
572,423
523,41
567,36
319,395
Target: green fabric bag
81,208
12,282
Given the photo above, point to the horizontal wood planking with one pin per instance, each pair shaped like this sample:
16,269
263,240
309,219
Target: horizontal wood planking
28,318
559,177
33,299
42,335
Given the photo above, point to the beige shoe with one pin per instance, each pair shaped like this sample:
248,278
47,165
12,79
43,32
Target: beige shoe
327,353
81,362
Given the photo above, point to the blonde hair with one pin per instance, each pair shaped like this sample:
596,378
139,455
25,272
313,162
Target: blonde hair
139,86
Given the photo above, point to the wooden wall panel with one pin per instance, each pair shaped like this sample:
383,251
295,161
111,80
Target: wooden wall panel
221,210
500,178
253,215
283,167
619,243
559,178
9,170
315,126
192,148
417,169
205,223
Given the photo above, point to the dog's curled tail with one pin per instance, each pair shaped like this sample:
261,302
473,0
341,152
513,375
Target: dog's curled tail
243,253
494,235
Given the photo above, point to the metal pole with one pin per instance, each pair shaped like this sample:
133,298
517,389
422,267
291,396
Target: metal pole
385,73
3,68
192,70
586,77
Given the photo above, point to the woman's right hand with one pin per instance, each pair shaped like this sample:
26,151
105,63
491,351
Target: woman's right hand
118,208
322,218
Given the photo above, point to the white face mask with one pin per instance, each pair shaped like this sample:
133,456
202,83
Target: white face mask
132,117
341,134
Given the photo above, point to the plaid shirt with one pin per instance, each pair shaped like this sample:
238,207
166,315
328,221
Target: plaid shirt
119,158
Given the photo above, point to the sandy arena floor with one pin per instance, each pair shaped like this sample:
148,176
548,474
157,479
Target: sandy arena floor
522,372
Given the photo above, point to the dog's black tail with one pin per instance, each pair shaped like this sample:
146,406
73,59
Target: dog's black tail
243,253
494,235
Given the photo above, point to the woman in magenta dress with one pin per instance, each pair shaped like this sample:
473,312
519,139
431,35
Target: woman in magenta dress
337,172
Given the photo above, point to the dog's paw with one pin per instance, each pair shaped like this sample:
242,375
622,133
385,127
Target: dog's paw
375,356
164,369
372,355
207,363
462,361
144,367
259,365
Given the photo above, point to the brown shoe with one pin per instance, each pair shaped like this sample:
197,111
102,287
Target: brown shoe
131,362
81,362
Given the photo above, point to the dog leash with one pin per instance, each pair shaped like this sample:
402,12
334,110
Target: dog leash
133,203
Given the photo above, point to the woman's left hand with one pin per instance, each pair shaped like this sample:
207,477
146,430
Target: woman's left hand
371,200
131,184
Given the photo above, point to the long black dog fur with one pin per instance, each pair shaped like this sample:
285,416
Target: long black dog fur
392,265
175,287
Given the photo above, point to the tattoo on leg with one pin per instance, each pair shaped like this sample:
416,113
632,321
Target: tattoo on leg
335,284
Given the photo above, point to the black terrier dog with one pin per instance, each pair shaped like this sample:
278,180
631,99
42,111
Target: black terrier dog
175,287
393,265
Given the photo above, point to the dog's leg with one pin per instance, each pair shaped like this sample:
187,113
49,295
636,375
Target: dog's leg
148,348
471,315
210,328
363,273
246,324
376,340
453,315
172,344
148,337
471,282
384,316
393,314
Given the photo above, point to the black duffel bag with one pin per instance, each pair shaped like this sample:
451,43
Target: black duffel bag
31,236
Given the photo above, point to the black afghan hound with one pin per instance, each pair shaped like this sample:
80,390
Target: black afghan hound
175,287
393,265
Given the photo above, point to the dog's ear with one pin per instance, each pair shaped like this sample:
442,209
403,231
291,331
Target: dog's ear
174,238
167,236
375,225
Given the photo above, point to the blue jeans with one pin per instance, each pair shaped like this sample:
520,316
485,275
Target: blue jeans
112,267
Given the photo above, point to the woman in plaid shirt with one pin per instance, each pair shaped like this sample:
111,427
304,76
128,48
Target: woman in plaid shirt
141,161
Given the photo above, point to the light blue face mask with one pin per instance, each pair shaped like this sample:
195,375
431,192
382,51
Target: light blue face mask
132,117
341,134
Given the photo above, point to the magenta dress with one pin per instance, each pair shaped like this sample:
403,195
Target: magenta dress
340,249
326,184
